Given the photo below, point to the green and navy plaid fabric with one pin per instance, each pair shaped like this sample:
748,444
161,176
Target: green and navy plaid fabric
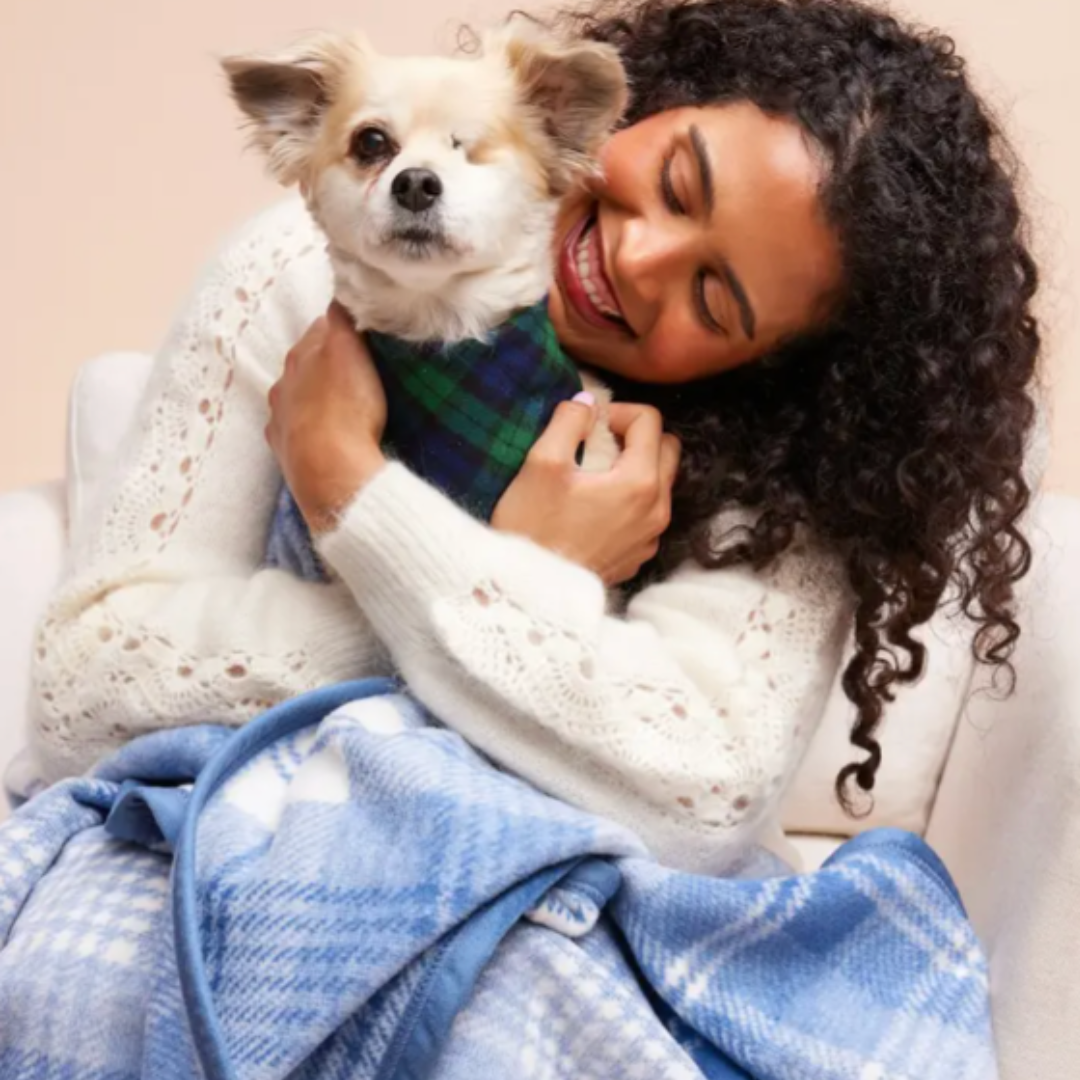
463,416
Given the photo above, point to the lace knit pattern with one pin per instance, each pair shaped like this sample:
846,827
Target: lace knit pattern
683,720
713,757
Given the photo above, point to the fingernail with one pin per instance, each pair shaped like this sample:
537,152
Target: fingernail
585,398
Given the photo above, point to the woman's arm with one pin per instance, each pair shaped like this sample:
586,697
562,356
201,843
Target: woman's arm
166,617
682,720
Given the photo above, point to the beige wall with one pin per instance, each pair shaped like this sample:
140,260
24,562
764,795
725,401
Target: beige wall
121,168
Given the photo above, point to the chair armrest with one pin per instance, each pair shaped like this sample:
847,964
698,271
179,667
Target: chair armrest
1007,815
33,533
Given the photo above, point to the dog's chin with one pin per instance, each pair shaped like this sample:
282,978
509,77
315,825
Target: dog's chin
418,245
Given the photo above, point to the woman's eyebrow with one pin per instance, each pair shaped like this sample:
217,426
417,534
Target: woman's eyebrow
704,162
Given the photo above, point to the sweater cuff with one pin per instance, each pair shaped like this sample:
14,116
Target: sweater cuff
401,546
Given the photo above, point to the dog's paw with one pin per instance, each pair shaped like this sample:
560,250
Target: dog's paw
601,447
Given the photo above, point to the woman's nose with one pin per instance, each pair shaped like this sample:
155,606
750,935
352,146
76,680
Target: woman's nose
649,258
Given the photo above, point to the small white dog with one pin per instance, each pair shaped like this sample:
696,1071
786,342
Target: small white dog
436,181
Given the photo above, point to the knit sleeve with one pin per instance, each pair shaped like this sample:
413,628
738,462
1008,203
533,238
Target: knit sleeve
166,616
683,720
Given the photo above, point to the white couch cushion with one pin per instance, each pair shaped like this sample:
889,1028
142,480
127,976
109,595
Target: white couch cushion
915,735
32,546
1007,816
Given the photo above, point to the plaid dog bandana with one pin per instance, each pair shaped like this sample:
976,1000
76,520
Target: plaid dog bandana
462,416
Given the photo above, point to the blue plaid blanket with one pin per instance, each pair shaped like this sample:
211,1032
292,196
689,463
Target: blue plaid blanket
345,890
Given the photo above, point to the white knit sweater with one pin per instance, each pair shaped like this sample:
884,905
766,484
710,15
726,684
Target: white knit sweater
683,720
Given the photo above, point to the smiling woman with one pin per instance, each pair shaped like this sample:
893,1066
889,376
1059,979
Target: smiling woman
703,246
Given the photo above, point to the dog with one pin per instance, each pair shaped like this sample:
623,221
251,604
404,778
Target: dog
436,180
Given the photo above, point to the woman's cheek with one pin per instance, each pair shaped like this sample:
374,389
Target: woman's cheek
668,359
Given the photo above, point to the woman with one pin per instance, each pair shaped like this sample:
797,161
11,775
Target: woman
812,236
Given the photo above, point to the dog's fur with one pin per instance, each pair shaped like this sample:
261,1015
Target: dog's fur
506,134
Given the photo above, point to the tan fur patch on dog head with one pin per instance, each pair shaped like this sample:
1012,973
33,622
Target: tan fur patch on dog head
547,101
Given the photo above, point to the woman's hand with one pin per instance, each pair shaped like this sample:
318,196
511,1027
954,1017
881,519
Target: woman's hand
610,522
327,415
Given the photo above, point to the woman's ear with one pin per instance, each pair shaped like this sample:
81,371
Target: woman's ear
577,89
285,95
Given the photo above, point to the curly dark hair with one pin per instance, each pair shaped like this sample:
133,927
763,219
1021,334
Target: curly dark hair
896,432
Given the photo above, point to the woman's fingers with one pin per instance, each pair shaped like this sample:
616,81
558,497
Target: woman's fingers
624,415
670,453
640,428
569,428
670,456
313,337
310,343
338,318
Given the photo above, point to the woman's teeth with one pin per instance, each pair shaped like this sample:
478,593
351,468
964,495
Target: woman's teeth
591,274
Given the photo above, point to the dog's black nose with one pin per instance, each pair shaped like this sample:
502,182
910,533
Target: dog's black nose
416,189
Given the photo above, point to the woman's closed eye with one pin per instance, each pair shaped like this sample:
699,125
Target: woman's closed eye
686,183
667,188
703,280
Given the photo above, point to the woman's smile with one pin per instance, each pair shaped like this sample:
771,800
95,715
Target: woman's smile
582,276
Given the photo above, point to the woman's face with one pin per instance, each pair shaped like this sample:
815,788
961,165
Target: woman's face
703,246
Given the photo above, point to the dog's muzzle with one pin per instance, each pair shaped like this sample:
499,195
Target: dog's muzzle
417,232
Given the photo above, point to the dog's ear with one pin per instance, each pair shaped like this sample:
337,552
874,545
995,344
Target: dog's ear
285,95
577,88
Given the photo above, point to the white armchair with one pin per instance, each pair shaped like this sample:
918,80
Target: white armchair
33,535
993,783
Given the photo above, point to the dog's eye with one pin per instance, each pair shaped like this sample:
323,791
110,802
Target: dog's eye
370,144
455,142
